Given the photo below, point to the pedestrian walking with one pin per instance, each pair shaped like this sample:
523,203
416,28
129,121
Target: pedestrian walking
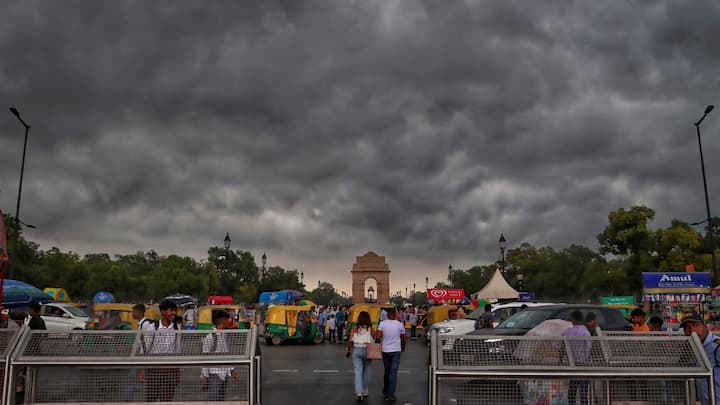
138,314
215,378
580,350
360,336
693,323
322,321
162,338
638,320
35,321
331,328
655,324
391,334
413,324
340,318
486,320
591,323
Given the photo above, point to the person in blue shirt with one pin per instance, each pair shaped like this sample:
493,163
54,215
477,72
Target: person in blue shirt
693,323
322,321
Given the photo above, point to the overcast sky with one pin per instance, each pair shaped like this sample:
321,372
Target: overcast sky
316,131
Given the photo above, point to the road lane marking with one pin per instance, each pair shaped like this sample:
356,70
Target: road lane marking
326,371
284,371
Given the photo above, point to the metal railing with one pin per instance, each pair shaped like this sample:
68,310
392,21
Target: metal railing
8,340
656,369
135,367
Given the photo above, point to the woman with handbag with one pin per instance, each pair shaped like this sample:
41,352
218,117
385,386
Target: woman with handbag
360,337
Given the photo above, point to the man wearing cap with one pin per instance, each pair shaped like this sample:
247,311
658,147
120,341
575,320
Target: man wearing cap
692,323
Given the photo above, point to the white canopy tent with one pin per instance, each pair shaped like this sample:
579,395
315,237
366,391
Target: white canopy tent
496,289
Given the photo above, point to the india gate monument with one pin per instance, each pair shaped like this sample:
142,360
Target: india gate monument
370,265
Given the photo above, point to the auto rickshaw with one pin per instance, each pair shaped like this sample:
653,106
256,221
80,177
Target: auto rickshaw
282,323
238,319
440,313
118,316
372,309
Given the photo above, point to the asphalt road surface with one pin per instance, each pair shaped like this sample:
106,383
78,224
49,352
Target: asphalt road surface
321,374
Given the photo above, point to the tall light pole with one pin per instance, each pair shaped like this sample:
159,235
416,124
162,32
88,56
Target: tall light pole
707,200
16,113
413,296
302,277
450,277
426,283
503,245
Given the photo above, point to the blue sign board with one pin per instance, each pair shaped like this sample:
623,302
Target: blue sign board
526,296
685,282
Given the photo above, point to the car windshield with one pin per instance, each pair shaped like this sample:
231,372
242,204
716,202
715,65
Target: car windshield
527,319
476,314
77,311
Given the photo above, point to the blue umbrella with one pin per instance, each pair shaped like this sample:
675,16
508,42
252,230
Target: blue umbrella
20,294
103,297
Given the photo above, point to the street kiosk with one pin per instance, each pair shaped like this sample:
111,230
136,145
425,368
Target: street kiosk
673,294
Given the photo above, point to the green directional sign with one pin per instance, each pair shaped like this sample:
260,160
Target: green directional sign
619,300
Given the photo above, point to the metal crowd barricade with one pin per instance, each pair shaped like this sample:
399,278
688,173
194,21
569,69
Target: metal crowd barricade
8,339
92,367
617,370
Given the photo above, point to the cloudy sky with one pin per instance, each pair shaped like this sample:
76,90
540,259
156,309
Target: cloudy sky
316,131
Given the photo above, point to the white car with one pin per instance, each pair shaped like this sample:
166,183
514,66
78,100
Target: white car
467,325
62,317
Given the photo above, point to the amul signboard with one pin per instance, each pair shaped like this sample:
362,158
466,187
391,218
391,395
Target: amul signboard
445,294
676,282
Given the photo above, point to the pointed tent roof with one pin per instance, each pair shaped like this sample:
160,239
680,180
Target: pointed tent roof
496,288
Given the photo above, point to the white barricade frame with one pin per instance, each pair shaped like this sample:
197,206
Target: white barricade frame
657,357
117,353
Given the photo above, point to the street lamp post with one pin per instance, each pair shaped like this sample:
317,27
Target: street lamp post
503,245
520,278
707,201
302,278
413,296
450,278
426,283
371,290
16,113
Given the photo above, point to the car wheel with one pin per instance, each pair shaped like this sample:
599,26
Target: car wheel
276,340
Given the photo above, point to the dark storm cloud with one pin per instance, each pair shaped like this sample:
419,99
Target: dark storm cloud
319,130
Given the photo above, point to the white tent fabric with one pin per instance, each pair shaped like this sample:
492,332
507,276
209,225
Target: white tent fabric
497,288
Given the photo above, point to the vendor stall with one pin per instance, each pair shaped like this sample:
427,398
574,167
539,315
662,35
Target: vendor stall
672,294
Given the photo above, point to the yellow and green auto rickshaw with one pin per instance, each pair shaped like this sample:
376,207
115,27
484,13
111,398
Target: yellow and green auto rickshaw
238,319
291,322
118,316
372,309
440,313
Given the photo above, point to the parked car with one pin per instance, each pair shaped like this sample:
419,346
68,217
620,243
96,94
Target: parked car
61,316
520,323
500,312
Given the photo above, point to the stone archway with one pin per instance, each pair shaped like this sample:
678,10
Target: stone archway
370,265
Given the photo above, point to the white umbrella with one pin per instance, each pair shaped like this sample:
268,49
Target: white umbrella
551,327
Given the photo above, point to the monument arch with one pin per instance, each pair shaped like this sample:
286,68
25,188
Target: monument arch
370,265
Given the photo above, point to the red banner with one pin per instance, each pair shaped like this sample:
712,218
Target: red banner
444,294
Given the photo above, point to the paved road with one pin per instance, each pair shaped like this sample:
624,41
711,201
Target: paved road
321,374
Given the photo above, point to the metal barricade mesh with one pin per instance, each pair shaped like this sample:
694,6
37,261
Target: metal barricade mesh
6,336
137,366
468,352
498,391
185,384
622,370
128,344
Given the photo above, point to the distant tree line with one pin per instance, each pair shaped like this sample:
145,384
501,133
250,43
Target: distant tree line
627,247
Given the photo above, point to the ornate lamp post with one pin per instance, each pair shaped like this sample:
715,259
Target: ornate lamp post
264,262
302,278
450,277
426,283
503,245
520,278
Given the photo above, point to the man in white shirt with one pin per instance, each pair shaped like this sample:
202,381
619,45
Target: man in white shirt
391,334
163,337
215,378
